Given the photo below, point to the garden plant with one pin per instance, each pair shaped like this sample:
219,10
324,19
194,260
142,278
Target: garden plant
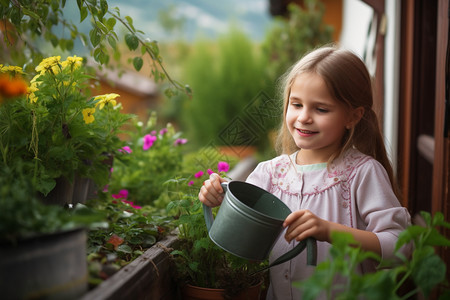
424,272
198,261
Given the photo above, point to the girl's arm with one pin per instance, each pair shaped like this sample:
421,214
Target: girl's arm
303,223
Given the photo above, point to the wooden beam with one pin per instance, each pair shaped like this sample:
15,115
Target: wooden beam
406,91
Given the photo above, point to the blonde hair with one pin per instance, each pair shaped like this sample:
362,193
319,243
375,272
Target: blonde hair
349,82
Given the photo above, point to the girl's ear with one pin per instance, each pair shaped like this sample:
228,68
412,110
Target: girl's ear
354,117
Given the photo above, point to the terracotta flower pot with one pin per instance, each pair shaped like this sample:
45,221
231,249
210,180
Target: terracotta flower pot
191,292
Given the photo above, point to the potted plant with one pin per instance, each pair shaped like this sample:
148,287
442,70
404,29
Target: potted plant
150,156
134,199
42,247
200,265
58,130
424,272
48,134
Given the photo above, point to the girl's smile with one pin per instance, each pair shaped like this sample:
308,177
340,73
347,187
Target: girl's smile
306,133
316,121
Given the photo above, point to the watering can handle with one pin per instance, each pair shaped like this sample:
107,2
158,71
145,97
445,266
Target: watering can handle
207,212
311,256
311,253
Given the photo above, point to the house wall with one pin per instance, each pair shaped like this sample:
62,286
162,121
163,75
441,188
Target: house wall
356,37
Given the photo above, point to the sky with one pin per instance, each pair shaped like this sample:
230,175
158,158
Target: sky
206,18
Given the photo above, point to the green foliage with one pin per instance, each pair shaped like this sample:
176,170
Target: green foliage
290,38
23,215
198,260
425,268
58,128
225,77
34,21
142,171
125,233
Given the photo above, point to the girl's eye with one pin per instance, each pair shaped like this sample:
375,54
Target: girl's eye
298,105
322,110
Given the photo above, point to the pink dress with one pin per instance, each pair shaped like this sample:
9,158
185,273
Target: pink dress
354,191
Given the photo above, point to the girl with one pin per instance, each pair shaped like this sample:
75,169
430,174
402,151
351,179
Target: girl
333,173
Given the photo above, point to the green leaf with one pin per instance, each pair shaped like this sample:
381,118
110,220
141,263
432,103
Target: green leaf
124,248
437,239
378,285
110,23
112,42
30,13
104,7
130,23
132,41
103,28
137,63
83,13
428,273
411,233
427,217
94,36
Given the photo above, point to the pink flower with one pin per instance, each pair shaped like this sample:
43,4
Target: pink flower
223,166
153,132
199,174
148,141
163,131
180,142
130,203
125,149
191,183
123,194
209,171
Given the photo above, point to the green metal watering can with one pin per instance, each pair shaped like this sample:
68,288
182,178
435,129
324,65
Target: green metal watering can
249,223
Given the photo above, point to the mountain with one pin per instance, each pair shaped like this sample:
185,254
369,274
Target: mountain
201,17
198,17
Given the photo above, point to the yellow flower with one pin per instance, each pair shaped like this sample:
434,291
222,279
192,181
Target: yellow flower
32,97
88,115
106,99
13,70
31,91
50,63
72,61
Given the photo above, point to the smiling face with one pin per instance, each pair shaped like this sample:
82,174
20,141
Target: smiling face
316,121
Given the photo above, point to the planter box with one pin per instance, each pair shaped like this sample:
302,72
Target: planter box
147,277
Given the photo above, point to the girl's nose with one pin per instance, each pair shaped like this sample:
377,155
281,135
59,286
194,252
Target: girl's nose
304,116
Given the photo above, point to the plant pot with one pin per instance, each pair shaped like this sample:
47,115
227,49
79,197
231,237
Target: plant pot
61,194
80,189
191,292
50,266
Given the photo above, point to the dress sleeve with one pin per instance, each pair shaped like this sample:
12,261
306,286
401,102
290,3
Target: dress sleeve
379,209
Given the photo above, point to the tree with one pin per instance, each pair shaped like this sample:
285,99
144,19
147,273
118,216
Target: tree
24,22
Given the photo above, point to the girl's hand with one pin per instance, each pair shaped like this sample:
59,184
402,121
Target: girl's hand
303,223
211,193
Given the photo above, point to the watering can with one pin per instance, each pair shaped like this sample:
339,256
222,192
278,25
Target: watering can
249,223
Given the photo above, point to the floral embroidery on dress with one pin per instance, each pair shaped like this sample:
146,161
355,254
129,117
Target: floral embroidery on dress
280,180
